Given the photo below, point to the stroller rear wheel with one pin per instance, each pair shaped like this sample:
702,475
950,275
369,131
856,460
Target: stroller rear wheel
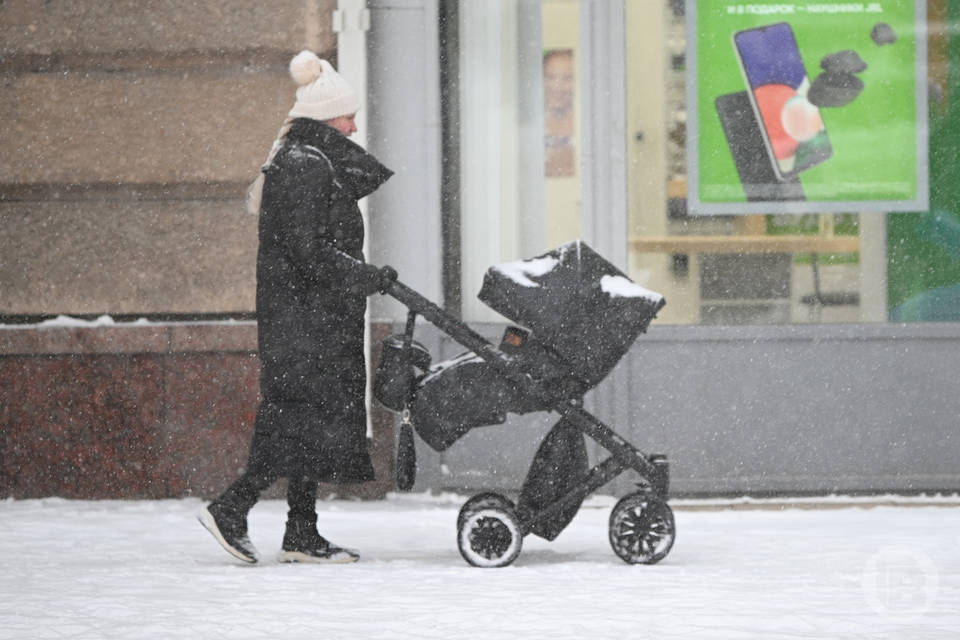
642,529
489,533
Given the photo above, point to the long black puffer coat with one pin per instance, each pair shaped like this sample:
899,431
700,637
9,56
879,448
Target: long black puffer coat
310,312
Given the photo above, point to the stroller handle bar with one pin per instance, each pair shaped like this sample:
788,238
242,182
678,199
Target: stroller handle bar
444,321
417,303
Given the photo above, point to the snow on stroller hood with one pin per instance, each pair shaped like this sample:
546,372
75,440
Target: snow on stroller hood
521,271
616,286
620,287
576,303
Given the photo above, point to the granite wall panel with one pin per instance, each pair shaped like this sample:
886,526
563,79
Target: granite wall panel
209,422
131,131
127,257
29,26
81,427
137,127
80,419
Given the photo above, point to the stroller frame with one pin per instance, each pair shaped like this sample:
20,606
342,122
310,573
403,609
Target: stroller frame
490,528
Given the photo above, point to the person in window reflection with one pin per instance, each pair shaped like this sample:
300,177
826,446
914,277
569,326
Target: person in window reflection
311,422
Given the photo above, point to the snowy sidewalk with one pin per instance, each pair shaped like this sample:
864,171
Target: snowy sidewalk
71,569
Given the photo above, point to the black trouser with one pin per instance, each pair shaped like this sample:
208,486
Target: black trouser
244,493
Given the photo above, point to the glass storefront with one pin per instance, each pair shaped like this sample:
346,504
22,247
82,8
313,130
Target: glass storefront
751,268
525,70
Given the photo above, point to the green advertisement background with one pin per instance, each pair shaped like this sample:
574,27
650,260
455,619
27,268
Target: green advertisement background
874,138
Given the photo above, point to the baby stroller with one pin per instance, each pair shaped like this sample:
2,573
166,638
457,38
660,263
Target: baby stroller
578,316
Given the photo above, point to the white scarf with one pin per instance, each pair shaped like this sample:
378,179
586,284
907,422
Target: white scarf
255,190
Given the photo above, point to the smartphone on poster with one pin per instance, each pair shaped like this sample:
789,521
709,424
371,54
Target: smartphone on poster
760,182
793,130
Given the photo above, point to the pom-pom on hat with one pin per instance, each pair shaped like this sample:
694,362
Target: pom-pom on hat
322,93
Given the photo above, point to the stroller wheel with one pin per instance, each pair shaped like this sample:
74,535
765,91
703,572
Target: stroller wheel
642,529
482,501
490,536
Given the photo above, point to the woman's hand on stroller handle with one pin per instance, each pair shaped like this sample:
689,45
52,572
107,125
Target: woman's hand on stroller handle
373,279
386,276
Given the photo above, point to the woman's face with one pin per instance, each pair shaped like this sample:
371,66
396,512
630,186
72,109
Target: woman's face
344,124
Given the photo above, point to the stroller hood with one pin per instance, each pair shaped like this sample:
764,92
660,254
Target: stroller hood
576,303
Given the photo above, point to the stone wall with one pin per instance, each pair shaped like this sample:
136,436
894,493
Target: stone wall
131,131
138,411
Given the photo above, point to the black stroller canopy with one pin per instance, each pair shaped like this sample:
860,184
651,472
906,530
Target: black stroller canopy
576,304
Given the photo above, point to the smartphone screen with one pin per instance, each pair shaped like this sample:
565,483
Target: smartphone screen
793,129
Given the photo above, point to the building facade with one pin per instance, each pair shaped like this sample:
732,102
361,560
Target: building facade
800,351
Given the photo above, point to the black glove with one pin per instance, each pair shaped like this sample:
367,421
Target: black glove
388,275
374,279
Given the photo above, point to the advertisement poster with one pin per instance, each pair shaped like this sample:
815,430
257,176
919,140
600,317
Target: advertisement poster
806,107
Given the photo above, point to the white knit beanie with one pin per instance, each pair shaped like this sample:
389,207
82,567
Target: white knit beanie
323,93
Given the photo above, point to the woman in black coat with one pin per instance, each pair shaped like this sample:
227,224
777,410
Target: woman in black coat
311,424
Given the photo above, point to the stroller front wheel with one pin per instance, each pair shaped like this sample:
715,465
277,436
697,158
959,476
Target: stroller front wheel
642,529
489,536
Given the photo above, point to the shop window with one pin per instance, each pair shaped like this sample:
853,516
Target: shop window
756,267
523,172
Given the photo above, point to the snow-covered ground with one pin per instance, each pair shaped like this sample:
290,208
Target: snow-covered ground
132,569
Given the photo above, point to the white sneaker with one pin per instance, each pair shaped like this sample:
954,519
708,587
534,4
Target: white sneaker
230,531
319,551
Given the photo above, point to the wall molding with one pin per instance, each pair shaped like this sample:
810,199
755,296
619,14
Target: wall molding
258,59
101,191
